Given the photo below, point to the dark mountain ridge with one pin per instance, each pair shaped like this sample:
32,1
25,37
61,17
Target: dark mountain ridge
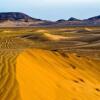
17,19
94,18
16,16
73,19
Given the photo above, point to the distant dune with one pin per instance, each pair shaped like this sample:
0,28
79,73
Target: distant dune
55,37
51,75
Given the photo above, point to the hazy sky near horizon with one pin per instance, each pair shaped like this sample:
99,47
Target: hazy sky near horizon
53,9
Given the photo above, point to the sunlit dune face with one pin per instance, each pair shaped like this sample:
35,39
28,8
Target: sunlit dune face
47,75
7,31
42,31
88,29
57,37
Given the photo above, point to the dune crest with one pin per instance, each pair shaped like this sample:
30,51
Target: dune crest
57,37
49,75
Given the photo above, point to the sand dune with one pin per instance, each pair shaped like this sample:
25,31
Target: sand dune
42,31
9,50
57,37
8,84
48,75
38,74
88,29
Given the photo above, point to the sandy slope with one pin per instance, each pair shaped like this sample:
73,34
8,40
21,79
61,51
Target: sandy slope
47,75
9,50
57,37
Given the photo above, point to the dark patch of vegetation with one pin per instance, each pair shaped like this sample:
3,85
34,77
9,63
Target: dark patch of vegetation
81,80
74,67
63,54
76,81
97,89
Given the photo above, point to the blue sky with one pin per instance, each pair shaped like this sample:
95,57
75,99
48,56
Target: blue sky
53,9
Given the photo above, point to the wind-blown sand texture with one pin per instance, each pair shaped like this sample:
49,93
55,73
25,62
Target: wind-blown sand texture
33,66
47,75
9,50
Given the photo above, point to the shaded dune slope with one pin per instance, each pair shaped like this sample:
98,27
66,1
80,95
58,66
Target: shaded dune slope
8,83
48,75
9,50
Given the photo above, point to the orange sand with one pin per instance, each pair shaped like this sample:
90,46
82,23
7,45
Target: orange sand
47,75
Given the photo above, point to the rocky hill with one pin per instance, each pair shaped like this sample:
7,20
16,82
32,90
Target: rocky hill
17,19
16,16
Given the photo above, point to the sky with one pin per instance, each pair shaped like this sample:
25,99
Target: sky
53,9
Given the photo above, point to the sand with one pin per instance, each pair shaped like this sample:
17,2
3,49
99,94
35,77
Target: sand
57,37
48,75
38,74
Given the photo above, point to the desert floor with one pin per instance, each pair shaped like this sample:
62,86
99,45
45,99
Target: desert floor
50,63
